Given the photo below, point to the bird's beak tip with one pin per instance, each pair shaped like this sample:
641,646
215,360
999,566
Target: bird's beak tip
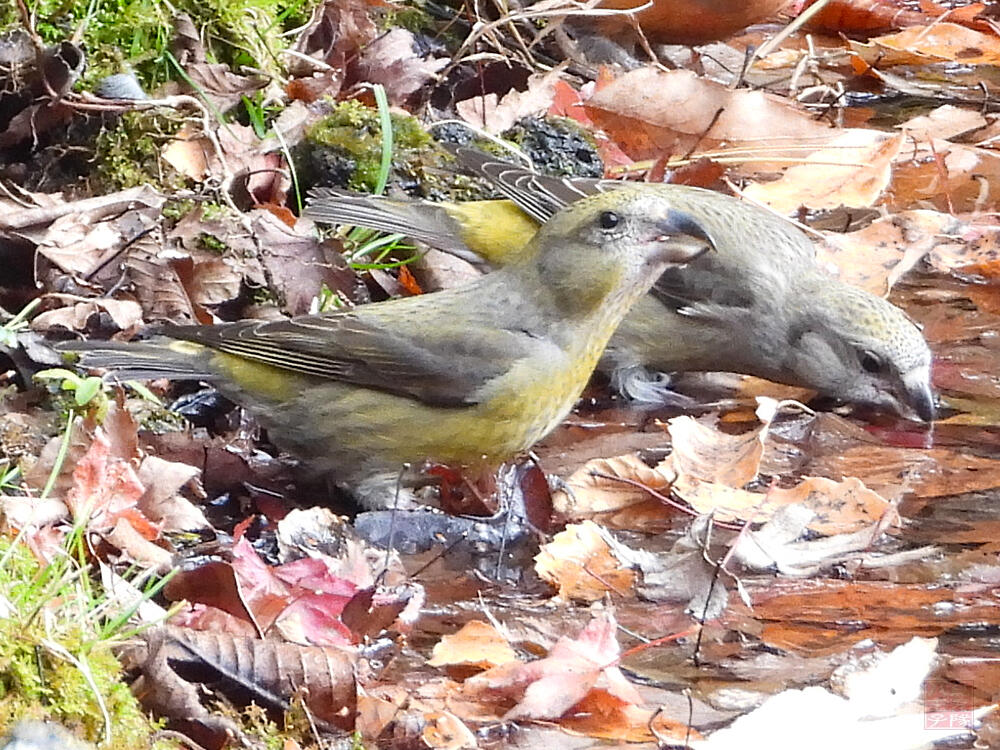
924,406
684,237
920,398
680,249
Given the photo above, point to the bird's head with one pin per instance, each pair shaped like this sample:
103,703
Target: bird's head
615,243
859,348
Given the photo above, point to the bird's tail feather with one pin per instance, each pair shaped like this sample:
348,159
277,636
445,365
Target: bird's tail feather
138,361
332,206
419,220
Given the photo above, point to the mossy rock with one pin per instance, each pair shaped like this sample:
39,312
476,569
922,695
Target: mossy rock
557,146
344,149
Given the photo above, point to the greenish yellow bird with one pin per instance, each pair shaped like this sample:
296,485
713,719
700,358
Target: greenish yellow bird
760,305
469,376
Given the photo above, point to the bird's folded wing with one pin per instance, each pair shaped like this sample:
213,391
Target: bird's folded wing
756,254
441,368
704,280
536,194
693,291
757,261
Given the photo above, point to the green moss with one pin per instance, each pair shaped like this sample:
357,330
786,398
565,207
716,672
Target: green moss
175,210
127,154
349,142
216,220
216,211
256,723
154,417
411,18
344,149
265,297
57,401
137,33
212,243
47,613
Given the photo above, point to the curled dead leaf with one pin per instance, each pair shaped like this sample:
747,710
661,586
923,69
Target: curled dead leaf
704,453
592,488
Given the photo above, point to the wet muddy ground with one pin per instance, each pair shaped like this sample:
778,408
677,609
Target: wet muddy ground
790,632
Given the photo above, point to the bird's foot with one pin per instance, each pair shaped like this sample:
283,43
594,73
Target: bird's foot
638,384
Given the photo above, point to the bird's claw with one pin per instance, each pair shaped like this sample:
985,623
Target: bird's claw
640,385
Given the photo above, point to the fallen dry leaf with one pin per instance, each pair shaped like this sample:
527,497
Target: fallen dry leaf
852,169
591,491
188,152
580,562
377,711
217,83
297,264
601,714
77,315
686,573
649,112
161,502
494,115
322,676
938,41
337,31
782,544
548,688
703,453
392,60
158,285
105,489
709,471
951,177
445,731
882,252
839,507
863,16
946,121
251,590
477,645
137,549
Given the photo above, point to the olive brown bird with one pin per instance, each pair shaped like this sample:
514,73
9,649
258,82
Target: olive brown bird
760,305
468,376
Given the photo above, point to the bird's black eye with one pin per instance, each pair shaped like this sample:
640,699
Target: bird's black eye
609,220
870,363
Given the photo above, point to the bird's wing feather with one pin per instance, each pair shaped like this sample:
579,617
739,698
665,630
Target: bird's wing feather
752,268
729,279
444,368
703,286
536,194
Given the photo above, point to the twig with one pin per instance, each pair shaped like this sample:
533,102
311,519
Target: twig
797,23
